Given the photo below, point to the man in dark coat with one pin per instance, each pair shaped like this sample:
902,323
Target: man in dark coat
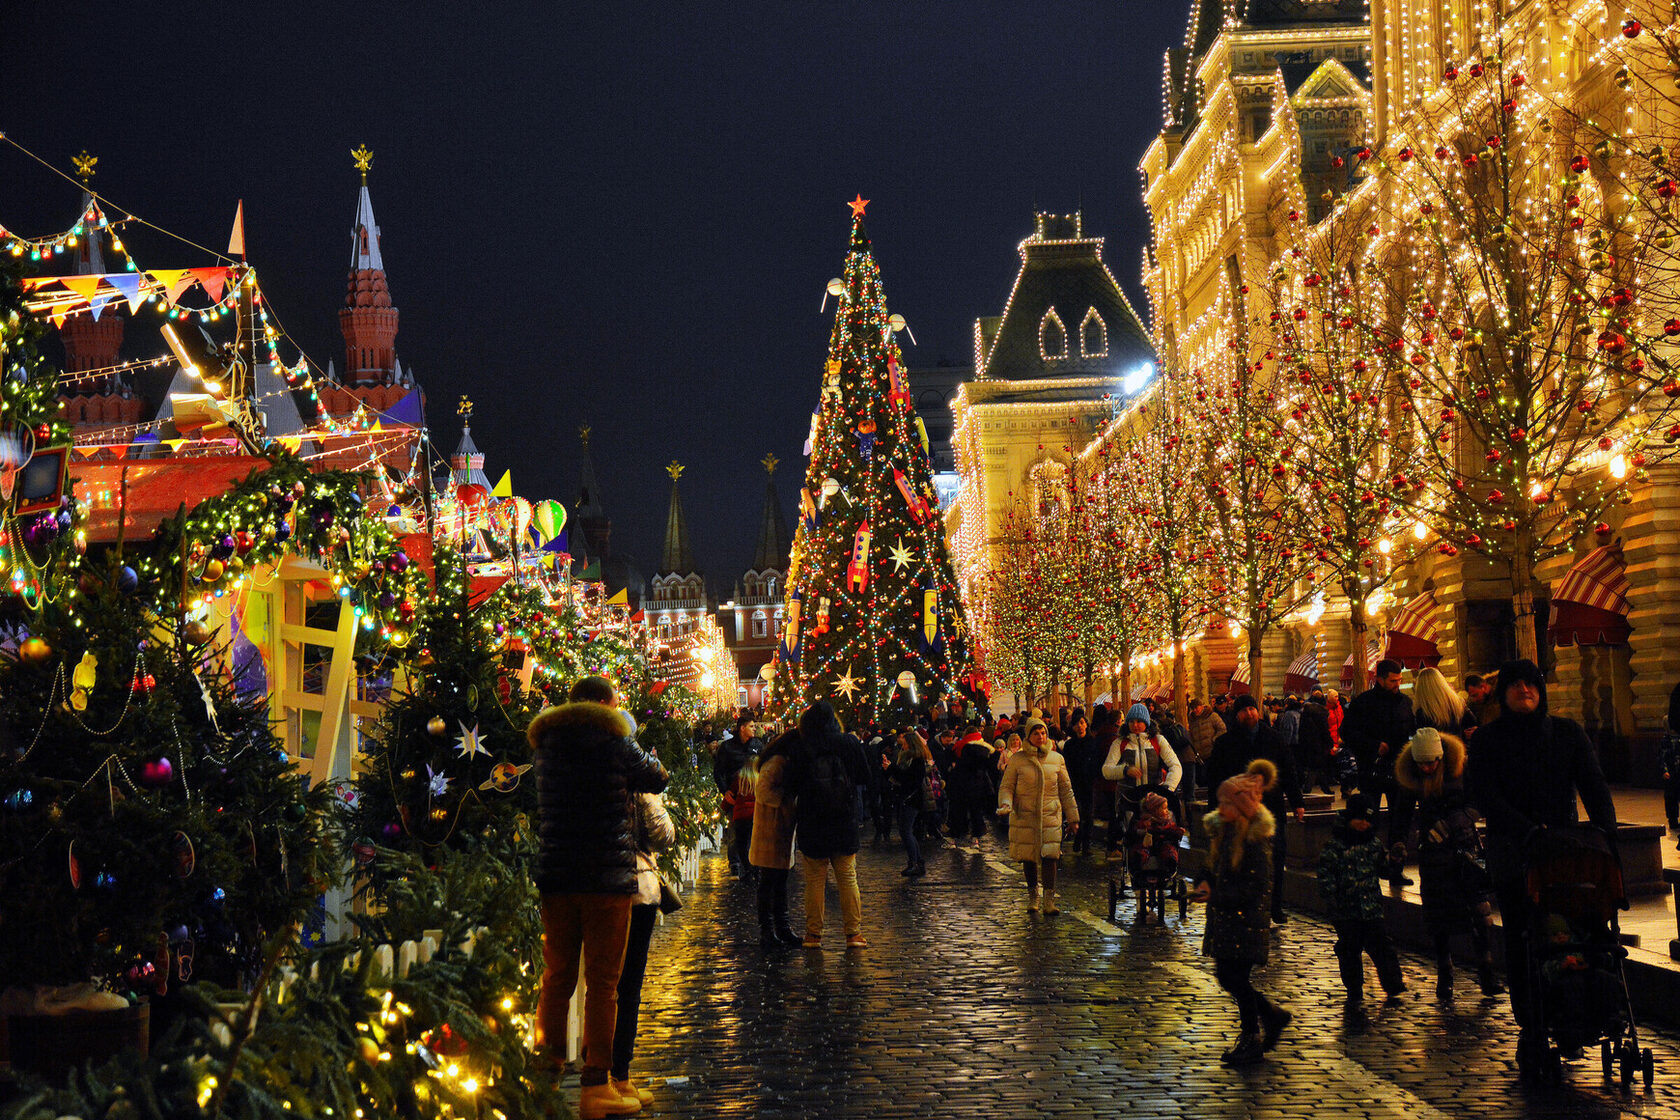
1375,726
824,770
588,765
1525,771
1249,738
1313,748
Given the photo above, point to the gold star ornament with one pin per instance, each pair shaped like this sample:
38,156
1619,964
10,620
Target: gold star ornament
900,556
846,685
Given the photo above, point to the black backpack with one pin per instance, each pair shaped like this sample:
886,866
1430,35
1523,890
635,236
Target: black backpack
828,785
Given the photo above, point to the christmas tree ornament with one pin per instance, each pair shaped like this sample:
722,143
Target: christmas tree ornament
20,800
185,857
504,777
437,782
157,772
437,727
197,632
467,745
34,651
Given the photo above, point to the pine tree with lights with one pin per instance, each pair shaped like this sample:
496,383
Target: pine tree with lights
1514,325
1349,437
872,601
1122,619
447,760
151,828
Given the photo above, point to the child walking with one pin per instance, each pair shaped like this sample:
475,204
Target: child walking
1238,891
1351,867
739,804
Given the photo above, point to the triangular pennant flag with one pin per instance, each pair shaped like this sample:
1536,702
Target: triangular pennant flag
30,283
130,285
174,444
173,281
83,286
622,599
591,570
214,281
503,487
236,240
58,316
406,411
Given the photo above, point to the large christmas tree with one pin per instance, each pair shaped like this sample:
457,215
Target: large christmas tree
873,620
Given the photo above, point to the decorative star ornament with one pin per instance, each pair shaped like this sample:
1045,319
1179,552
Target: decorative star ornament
846,685
437,784
900,555
468,745
857,204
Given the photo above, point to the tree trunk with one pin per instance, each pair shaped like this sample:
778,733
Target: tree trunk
1357,628
1053,710
1256,666
1113,689
1090,688
1123,695
1180,701
1522,605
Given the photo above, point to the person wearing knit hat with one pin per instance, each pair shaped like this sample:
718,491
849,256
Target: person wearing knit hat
1526,772
1350,869
1455,891
1238,891
1249,737
1152,857
1139,756
1037,797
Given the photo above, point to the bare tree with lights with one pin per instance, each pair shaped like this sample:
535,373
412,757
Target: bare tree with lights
1503,311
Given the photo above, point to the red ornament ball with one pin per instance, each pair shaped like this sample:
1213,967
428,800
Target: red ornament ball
157,772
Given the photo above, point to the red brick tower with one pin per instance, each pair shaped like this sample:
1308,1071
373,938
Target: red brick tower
368,320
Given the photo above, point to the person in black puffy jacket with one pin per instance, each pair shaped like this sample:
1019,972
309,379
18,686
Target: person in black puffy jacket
588,765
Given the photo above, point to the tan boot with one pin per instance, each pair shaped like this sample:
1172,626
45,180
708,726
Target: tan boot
1032,900
1050,906
628,1088
596,1102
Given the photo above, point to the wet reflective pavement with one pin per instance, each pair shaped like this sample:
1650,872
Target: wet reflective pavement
964,1004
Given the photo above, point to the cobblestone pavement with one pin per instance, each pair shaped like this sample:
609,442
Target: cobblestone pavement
964,1004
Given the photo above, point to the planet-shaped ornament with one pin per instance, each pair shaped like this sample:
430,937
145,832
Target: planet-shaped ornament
128,580
504,777
907,679
437,727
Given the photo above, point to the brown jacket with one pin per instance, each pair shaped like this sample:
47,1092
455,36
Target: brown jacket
772,823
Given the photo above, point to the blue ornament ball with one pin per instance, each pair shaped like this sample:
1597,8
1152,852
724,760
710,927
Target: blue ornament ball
128,580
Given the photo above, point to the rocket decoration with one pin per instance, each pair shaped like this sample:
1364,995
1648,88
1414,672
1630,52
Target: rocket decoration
930,618
857,572
808,509
918,504
866,439
900,391
921,434
822,616
790,634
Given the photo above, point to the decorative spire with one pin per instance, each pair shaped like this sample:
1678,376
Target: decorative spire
84,166
772,551
364,161
678,557
368,320
467,464
592,519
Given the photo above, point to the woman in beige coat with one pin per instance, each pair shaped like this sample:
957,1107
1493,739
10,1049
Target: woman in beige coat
771,849
1037,797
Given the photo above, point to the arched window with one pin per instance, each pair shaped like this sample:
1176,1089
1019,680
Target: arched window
1093,336
1052,336
760,625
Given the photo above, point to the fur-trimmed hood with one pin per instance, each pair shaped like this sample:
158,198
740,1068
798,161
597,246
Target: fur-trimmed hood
578,718
1410,778
1263,825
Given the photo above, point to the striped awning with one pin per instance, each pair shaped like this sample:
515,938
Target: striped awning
1590,605
1302,674
1411,636
1373,654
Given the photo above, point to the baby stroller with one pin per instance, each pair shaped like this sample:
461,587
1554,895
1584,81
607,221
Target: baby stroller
1155,877
1575,955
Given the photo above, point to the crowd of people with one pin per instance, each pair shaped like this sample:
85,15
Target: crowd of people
1466,779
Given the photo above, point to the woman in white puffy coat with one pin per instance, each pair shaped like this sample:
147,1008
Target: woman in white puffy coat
1037,797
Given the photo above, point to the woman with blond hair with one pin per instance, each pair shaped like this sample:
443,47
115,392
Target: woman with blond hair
1037,798
1437,704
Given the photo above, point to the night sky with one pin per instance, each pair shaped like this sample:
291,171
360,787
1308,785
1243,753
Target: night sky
616,214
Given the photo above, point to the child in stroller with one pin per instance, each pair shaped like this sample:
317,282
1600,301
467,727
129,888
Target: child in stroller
1575,955
1152,842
